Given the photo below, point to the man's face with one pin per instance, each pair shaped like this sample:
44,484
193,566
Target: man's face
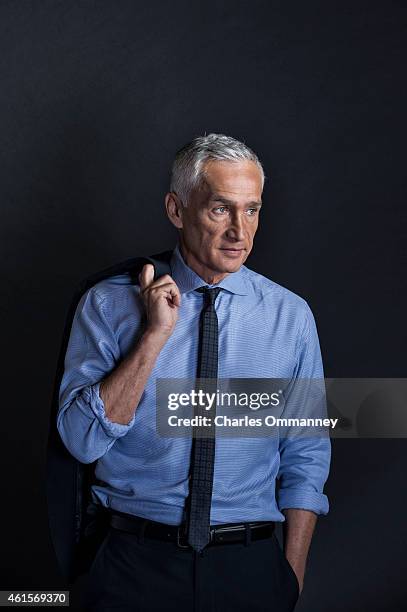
217,227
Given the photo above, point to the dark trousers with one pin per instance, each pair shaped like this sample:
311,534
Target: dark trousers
130,573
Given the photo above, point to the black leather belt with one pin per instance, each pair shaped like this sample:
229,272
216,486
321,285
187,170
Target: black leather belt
219,534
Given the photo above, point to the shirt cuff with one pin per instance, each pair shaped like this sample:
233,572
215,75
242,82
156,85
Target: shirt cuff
303,499
114,430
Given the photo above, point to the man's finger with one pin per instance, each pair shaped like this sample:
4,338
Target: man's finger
174,294
170,290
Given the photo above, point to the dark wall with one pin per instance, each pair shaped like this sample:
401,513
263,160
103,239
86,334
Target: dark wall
95,99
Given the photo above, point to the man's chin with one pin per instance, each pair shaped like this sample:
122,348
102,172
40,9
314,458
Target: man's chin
231,265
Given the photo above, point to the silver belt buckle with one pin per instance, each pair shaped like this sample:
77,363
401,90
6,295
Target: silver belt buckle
212,533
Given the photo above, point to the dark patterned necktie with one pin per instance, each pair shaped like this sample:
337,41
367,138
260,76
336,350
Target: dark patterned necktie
203,443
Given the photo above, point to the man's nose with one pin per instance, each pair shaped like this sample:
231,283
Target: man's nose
236,228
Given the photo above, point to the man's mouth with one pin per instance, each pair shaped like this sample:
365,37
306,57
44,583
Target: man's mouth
233,251
232,248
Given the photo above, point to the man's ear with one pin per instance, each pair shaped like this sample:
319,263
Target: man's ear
174,208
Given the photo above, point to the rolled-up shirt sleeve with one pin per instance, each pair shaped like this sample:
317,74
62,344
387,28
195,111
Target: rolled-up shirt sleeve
304,459
92,353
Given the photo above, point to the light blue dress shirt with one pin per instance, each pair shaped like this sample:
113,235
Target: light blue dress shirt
265,331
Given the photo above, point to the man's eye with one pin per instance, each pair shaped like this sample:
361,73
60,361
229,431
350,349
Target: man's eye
252,212
220,209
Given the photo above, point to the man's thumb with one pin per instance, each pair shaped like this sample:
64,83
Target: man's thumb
146,275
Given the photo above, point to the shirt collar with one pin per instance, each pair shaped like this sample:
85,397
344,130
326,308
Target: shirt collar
188,280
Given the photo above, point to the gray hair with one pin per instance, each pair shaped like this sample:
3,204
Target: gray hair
188,167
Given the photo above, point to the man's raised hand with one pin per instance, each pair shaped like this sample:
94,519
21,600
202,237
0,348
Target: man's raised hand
161,299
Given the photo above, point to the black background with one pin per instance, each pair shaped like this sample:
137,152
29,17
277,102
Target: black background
95,99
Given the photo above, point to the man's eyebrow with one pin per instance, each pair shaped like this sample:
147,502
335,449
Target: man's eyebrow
219,198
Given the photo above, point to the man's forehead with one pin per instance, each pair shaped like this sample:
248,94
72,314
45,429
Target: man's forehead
228,178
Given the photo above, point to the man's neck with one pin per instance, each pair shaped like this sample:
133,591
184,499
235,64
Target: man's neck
211,277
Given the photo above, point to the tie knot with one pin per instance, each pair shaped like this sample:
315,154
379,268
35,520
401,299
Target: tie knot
210,294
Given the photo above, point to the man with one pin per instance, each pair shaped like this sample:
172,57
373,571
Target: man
107,410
